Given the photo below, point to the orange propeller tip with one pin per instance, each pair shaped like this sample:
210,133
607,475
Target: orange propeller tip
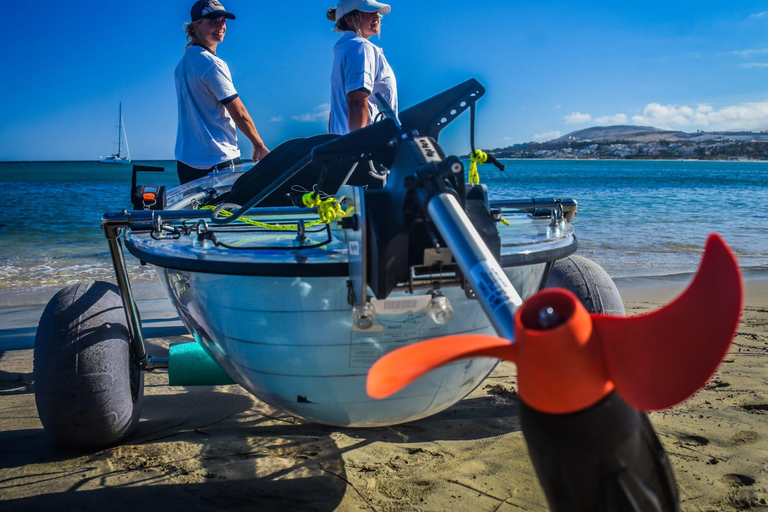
399,368
379,386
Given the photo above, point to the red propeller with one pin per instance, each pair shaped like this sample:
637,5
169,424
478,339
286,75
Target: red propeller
653,361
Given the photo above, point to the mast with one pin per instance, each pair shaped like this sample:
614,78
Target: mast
119,128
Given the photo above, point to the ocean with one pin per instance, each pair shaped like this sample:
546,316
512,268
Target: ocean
636,218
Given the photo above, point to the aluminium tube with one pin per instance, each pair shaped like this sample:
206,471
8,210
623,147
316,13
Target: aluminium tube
497,296
124,285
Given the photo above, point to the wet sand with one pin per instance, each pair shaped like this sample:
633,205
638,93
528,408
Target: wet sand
218,448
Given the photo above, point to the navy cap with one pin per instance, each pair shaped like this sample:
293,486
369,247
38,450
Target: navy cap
210,9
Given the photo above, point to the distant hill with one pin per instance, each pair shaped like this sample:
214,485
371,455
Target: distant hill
644,142
622,132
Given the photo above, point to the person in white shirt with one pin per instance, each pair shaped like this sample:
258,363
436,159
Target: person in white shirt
209,106
359,67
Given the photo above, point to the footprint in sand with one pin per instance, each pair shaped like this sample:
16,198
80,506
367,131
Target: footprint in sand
737,480
694,440
744,437
756,408
716,384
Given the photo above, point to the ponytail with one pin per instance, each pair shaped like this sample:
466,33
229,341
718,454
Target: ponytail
350,21
189,32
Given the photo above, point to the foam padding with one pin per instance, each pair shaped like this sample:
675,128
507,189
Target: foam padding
190,365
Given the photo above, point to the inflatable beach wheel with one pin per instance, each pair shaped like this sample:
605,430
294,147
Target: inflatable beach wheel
589,283
87,392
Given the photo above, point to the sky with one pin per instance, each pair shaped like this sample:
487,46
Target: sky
550,67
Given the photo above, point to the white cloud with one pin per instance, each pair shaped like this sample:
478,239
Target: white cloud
755,65
320,113
747,116
276,119
759,15
547,135
748,53
577,117
609,120
506,138
668,116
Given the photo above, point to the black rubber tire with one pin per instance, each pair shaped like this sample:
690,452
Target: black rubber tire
589,282
88,393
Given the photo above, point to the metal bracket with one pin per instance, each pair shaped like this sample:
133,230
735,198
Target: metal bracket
354,233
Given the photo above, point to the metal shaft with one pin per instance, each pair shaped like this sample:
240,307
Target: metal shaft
131,311
497,296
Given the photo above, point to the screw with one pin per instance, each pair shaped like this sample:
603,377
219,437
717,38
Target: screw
547,317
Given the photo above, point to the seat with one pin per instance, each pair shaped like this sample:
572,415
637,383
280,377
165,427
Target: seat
280,159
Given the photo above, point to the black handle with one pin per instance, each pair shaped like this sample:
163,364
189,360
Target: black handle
606,458
492,160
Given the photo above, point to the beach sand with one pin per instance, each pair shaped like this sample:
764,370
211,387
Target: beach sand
219,448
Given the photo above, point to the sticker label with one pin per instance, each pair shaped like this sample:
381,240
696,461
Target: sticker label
496,289
428,150
354,248
399,305
390,333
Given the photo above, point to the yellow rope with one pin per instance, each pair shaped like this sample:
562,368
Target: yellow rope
328,209
276,227
477,157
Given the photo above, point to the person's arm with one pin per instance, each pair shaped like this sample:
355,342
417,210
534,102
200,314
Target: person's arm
243,121
357,109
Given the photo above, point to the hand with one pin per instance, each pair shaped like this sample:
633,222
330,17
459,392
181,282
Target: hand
259,152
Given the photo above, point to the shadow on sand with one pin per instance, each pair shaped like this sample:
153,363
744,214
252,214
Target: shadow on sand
204,449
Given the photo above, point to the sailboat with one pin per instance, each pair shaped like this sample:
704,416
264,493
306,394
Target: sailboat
118,158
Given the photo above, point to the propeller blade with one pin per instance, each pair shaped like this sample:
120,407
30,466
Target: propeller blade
659,359
653,361
399,368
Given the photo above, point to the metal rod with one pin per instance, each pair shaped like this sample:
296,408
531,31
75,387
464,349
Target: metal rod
570,206
545,275
112,233
497,296
532,203
426,285
156,364
130,218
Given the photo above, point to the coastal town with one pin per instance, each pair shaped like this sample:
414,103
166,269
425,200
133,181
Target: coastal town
644,143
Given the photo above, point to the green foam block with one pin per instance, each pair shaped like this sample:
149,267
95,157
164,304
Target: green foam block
190,365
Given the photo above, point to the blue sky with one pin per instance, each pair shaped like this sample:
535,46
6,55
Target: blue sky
550,67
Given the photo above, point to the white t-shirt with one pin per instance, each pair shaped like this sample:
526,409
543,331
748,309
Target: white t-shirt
206,135
359,64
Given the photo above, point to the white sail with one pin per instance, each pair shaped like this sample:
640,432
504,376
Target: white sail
118,158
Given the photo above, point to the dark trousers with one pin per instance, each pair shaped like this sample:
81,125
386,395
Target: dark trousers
187,173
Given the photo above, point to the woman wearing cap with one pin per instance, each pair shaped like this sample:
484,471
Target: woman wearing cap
209,106
359,67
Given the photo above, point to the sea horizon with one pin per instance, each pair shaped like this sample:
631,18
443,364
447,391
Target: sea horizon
463,156
636,218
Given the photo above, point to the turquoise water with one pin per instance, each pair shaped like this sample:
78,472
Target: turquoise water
50,222
635,218
651,218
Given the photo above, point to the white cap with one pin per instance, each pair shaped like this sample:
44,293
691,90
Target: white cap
347,6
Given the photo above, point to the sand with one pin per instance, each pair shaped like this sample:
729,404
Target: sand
219,448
